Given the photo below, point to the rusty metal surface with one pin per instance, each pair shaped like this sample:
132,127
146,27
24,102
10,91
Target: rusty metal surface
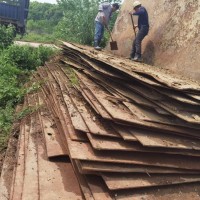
105,143
95,124
153,139
124,132
165,146
83,151
92,98
194,120
53,179
98,188
178,192
173,34
83,183
56,176
145,104
62,112
18,177
56,179
120,64
169,105
127,181
97,167
110,106
95,103
75,116
52,137
138,98
31,191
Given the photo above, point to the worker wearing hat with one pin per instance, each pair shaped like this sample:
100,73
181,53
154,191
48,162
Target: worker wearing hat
102,20
143,26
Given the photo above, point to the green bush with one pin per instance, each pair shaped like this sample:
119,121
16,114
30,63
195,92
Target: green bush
44,53
6,119
27,57
16,62
8,80
6,36
23,57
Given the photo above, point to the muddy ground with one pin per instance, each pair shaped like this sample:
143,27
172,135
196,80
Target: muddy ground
8,156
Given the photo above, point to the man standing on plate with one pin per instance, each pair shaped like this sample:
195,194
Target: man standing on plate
102,20
143,26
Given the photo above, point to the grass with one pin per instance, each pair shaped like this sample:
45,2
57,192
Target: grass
16,65
40,38
72,76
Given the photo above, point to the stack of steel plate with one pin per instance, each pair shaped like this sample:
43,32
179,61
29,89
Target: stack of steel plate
126,130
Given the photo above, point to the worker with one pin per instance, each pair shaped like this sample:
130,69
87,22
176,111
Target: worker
143,26
102,20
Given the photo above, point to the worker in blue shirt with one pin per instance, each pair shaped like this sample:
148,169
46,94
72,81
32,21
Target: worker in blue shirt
143,26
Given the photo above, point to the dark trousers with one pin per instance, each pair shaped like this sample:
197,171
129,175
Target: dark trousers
136,47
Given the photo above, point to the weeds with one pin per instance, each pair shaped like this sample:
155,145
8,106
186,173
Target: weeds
72,76
41,38
16,65
27,111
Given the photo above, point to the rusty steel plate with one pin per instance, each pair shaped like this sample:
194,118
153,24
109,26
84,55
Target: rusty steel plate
123,181
124,132
82,182
93,101
18,174
141,116
63,115
114,144
31,191
94,123
119,88
175,129
141,113
154,139
98,188
83,151
52,136
178,192
97,167
174,108
162,76
56,177
75,116
180,126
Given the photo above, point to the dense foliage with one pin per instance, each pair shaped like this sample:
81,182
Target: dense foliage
43,17
71,20
16,63
77,24
6,36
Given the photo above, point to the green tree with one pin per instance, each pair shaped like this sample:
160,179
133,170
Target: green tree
71,20
77,24
43,17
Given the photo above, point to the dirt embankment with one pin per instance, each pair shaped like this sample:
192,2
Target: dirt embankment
173,40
